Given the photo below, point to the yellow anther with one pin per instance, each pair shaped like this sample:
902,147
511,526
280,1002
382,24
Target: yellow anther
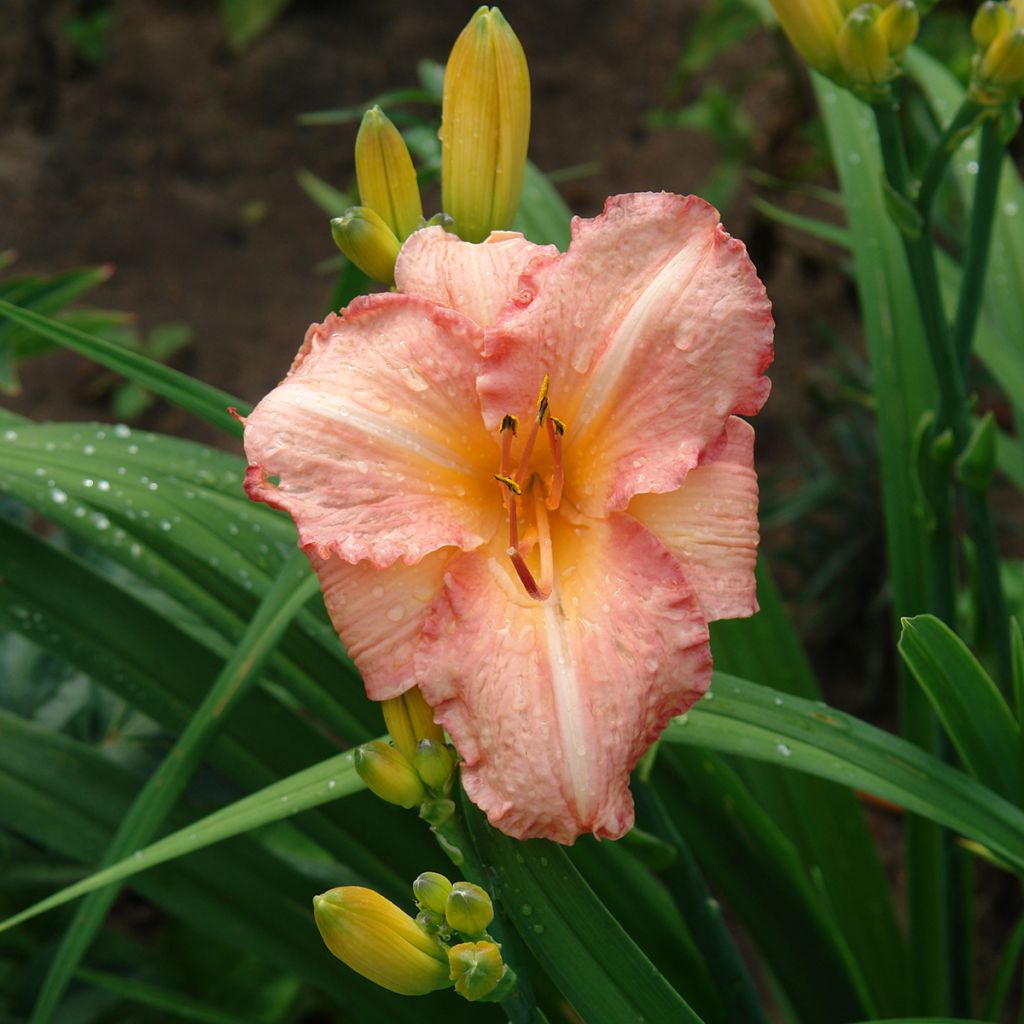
542,400
509,483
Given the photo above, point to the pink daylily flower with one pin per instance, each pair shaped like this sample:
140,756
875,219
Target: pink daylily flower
523,483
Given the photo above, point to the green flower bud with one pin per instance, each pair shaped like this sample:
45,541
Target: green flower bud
468,909
863,51
386,176
410,719
990,20
485,126
476,968
380,941
388,774
977,463
898,24
368,242
434,762
431,891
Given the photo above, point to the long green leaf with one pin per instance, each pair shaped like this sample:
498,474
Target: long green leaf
329,780
294,587
594,963
753,721
967,701
209,403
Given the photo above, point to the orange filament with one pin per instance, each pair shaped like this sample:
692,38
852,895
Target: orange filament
545,496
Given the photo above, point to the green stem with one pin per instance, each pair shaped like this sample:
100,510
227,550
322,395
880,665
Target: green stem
964,122
986,188
702,915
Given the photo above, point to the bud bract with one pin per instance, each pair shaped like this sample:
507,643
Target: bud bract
863,51
991,19
380,941
388,774
386,176
977,462
368,242
434,763
409,719
476,968
468,909
485,126
812,27
431,890
898,24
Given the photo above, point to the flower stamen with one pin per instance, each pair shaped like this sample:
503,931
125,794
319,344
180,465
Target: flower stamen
556,430
542,409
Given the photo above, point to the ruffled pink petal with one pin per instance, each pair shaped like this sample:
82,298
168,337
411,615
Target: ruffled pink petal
478,280
653,328
379,614
551,704
710,524
374,443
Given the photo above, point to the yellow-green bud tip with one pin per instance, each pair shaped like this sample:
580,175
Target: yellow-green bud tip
380,941
476,968
388,774
386,175
434,763
468,909
991,19
431,890
898,24
368,242
812,27
485,126
410,719
1003,63
863,51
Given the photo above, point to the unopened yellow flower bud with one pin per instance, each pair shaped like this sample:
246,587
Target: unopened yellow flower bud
991,19
476,968
409,719
485,126
898,24
431,890
389,775
380,941
812,27
863,51
368,242
468,909
434,764
386,176
1003,63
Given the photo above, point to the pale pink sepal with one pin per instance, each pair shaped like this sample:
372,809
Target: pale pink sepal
653,327
380,613
710,524
476,279
551,704
375,437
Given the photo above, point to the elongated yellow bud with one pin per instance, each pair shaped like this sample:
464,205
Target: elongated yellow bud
991,19
386,176
485,126
368,242
468,909
380,941
812,26
898,24
389,775
863,52
476,968
409,719
1003,63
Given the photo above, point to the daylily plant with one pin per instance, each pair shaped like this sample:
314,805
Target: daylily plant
524,486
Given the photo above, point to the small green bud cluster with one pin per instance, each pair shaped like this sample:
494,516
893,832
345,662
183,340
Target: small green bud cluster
998,73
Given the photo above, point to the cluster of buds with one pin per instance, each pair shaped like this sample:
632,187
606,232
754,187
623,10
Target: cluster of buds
485,127
998,30
858,45
417,768
414,956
